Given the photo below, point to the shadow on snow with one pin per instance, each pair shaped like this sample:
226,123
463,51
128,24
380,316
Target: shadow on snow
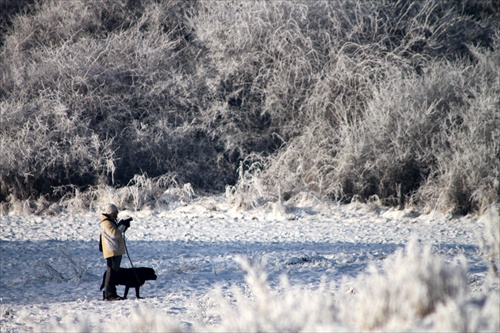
60,271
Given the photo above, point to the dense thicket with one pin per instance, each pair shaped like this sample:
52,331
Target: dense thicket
397,100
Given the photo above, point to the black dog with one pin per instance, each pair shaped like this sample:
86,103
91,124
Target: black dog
129,278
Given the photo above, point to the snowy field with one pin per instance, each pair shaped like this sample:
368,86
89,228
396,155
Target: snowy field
305,266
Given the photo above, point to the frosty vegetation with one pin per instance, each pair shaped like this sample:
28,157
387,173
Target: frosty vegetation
413,289
393,100
149,103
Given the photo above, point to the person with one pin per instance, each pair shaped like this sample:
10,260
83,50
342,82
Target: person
113,247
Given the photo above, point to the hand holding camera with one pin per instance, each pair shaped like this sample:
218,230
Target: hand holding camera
125,223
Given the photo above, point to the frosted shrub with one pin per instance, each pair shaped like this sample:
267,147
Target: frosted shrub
370,124
413,289
490,240
405,290
249,191
474,315
258,308
418,140
177,194
100,99
76,200
141,192
142,189
464,176
389,98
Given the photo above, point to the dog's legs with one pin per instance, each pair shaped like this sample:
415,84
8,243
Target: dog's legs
137,292
126,292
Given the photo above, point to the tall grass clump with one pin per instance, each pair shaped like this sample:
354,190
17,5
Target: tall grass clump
257,307
408,288
490,240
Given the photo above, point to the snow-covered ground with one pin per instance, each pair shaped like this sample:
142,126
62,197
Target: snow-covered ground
305,266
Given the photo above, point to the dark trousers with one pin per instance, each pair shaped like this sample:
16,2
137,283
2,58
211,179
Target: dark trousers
113,266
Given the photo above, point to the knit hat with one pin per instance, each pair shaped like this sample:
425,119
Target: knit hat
110,209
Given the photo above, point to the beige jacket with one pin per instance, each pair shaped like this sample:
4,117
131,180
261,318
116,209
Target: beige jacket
112,237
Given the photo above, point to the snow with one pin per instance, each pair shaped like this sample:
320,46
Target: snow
305,257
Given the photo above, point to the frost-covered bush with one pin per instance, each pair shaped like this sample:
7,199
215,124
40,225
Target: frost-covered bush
95,93
141,192
367,114
465,176
390,98
405,290
413,289
490,240
257,307
429,139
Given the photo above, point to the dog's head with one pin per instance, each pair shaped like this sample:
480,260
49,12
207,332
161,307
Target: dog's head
149,274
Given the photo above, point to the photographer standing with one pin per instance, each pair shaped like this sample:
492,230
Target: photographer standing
113,247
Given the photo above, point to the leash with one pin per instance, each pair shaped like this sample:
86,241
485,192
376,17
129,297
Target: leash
128,255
